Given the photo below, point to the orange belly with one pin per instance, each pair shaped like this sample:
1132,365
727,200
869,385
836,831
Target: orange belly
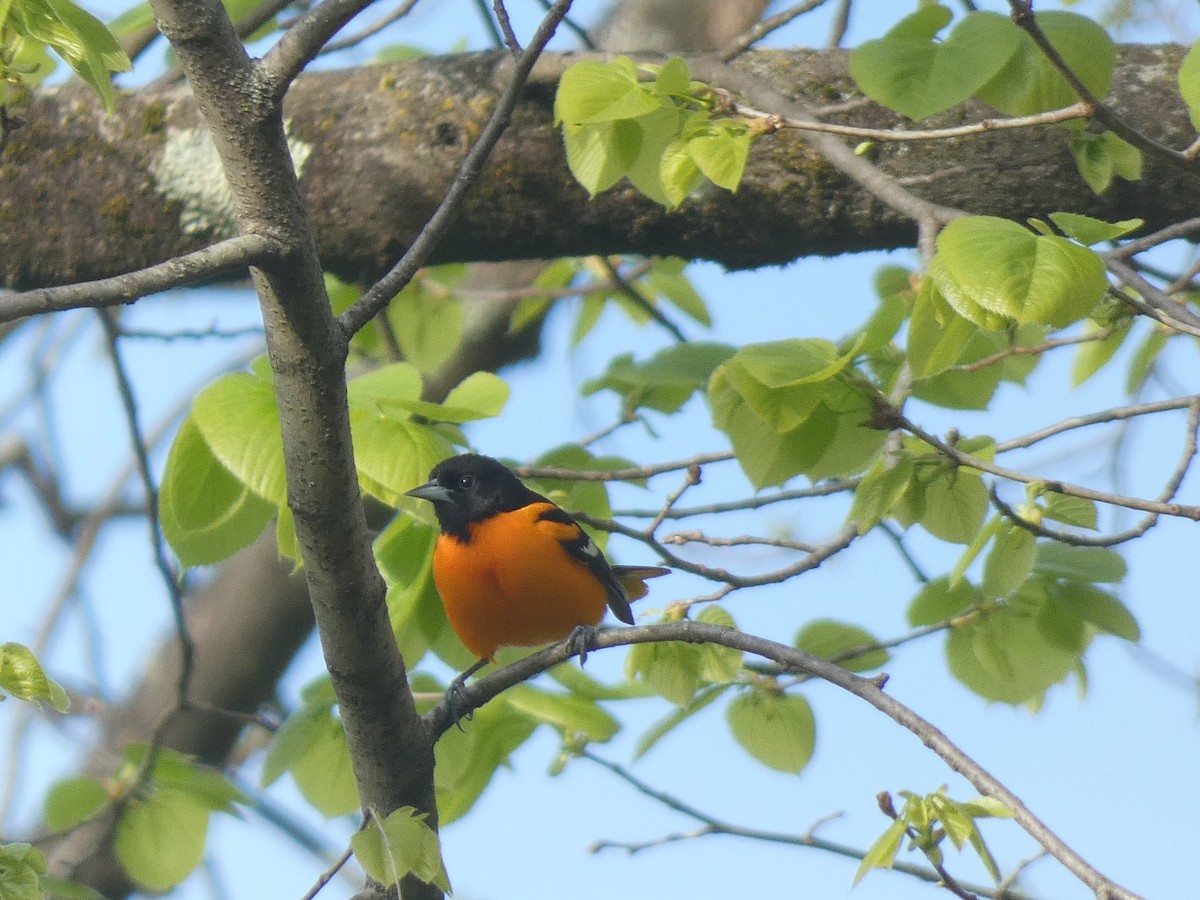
515,586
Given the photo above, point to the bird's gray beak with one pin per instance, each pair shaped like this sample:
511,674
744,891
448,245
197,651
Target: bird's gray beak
431,491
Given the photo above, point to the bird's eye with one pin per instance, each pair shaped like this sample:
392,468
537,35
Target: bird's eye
465,481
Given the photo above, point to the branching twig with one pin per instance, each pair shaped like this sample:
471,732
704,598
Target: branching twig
712,825
763,27
1078,110
378,296
1180,510
301,43
477,693
1023,17
211,263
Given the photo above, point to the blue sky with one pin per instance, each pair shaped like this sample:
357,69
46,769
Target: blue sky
1114,772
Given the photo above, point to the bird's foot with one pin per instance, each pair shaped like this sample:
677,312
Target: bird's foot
581,641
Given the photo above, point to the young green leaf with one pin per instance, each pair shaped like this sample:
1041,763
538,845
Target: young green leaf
207,514
1009,562
570,714
1029,83
21,869
160,838
993,267
832,640
909,71
882,853
72,801
1189,83
22,676
592,92
776,729
238,419
1087,564
400,845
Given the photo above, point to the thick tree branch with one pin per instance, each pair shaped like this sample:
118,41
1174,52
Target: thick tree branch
384,144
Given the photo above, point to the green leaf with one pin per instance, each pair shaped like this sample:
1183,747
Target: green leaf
1029,83
1092,356
1100,157
879,492
207,514
160,838
71,801
239,420
1009,562
939,600
467,760
1144,357
776,729
385,389
832,640
719,664
668,279
993,267
78,37
1089,231
600,155
937,334
570,714
910,72
1088,564
666,380
677,716
591,92
673,671
1098,608
1015,652
400,845
428,324
482,393
882,853
21,675
21,868
394,456
323,772
720,151
955,505
1070,510
1189,83
655,133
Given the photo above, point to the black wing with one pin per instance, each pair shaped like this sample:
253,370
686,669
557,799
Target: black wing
584,549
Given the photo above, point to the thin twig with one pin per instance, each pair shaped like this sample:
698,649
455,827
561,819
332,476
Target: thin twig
371,30
211,263
1078,110
142,456
327,876
381,293
1179,510
1023,17
712,826
479,692
763,27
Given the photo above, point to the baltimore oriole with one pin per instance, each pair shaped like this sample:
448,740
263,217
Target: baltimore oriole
513,569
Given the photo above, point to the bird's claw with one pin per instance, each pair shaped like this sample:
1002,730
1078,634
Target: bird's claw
581,641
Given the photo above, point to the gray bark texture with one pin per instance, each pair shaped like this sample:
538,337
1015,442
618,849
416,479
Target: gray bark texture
385,142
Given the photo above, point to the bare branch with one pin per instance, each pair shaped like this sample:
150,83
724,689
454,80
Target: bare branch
713,825
477,693
218,261
379,295
302,42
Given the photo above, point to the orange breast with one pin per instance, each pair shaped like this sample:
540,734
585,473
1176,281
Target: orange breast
513,584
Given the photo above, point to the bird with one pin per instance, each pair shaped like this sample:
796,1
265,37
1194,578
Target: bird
515,570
